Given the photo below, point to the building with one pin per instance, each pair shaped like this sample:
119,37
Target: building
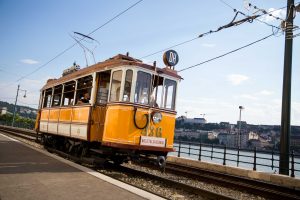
227,139
3,110
253,136
212,135
295,141
191,134
243,124
192,121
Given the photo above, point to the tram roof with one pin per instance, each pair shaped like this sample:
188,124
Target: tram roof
110,63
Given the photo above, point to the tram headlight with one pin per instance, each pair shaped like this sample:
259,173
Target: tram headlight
156,117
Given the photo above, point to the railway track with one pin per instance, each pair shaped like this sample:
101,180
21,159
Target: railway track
205,194
260,188
22,133
266,190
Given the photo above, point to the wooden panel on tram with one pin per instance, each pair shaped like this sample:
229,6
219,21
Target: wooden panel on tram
97,125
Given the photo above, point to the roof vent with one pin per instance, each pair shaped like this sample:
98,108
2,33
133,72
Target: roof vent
72,69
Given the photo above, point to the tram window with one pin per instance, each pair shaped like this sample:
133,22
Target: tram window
103,87
127,85
47,100
169,94
142,89
57,95
84,87
115,86
69,91
155,98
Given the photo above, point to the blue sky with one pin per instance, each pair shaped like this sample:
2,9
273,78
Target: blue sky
33,32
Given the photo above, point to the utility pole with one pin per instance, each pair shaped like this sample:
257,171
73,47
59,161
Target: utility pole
240,123
15,107
286,92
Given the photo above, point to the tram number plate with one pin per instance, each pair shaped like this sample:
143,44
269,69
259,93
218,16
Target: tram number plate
153,141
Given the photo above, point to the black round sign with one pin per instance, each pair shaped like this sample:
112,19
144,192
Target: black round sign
171,58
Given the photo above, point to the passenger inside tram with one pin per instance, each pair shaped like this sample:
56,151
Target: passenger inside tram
84,98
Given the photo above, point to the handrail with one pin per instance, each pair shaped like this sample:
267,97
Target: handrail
238,155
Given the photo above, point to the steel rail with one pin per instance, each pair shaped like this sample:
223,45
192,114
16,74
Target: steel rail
25,134
264,189
260,188
205,194
29,135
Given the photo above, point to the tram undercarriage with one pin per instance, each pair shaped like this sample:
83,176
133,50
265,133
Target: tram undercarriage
96,153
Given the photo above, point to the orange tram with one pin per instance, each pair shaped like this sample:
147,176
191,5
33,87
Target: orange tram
118,109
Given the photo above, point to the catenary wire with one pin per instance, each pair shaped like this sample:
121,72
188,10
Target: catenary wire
230,24
70,47
225,54
190,40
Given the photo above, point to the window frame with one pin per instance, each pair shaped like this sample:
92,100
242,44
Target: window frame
121,85
135,84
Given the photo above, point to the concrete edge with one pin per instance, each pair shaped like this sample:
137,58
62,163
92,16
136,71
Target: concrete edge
120,184
277,179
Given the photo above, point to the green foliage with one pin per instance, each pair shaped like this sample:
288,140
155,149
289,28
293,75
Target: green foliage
20,122
10,109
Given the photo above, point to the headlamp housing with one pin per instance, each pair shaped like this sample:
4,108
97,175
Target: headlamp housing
156,117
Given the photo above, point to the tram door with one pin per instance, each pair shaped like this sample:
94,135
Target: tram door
99,110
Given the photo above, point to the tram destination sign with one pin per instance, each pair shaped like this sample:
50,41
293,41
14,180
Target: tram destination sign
153,141
170,58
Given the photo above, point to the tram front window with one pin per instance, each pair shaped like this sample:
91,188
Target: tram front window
156,95
127,85
115,86
169,94
142,89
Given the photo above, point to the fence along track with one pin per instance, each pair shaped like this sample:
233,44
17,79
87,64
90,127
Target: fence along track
258,187
270,191
189,148
198,191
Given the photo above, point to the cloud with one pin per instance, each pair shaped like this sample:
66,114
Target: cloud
275,13
249,96
208,45
266,93
237,79
29,61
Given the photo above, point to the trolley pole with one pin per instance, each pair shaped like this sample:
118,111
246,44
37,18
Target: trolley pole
286,92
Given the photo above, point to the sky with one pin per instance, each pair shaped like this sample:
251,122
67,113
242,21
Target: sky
34,32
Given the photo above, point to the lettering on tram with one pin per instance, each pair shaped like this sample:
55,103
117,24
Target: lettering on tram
117,110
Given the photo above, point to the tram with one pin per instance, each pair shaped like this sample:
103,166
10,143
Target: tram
120,108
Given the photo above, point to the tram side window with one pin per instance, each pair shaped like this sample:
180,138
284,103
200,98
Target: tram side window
57,95
127,85
169,94
47,100
142,89
103,87
69,91
84,88
115,86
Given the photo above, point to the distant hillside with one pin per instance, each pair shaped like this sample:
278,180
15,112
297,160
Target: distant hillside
23,111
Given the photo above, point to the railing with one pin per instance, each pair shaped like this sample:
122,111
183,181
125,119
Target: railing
238,156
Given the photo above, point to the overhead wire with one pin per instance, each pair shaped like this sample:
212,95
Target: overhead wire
257,19
70,47
225,54
209,32
232,51
228,25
